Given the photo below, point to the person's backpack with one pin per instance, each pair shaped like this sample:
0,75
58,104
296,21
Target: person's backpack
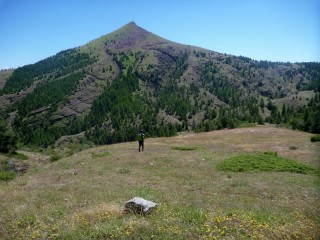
140,136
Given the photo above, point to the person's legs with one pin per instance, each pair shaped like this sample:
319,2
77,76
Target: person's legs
140,144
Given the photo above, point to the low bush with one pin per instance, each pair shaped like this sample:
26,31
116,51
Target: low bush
271,153
315,138
268,161
100,154
55,157
20,156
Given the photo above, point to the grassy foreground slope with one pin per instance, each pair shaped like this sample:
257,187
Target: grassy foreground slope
82,196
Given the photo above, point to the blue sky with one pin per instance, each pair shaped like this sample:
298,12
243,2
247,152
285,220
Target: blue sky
275,30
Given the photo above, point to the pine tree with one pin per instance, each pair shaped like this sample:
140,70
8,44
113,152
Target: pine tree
8,140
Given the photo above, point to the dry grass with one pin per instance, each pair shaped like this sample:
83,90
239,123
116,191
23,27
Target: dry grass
82,196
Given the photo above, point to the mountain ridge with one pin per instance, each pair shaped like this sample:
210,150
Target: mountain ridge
132,78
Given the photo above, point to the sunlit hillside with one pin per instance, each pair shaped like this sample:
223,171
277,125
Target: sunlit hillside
82,196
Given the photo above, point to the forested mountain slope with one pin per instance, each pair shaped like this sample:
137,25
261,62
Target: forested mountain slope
131,79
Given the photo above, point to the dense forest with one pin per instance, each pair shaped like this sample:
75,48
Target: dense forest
61,64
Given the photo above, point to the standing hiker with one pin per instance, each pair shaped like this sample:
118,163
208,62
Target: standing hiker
140,139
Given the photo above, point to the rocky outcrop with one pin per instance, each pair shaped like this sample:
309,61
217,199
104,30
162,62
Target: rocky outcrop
13,165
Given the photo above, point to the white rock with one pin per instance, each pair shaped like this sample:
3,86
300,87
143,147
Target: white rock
139,205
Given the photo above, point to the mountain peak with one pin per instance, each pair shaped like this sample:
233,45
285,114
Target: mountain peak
131,36
131,23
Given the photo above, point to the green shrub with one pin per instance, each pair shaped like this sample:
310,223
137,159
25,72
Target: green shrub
268,161
20,156
315,138
271,153
69,152
55,157
27,220
6,176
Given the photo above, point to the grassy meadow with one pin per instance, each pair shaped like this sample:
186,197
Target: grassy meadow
82,196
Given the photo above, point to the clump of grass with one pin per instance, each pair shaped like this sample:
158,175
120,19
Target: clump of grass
315,138
27,220
6,176
236,183
293,148
268,161
100,154
184,148
124,170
